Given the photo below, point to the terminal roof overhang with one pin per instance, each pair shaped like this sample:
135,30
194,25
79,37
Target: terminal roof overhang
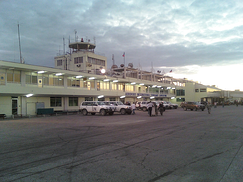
82,45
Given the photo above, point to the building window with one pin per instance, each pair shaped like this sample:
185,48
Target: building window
96,61
112,99
203,90
78,60
31,78
196,90
104,85
59,62
101,99
16,76
10,76
56,101
98,85
121,86
180,92
56,80
113,86
34,79
88,98
73,101
45,78
129,88
102,63
180,99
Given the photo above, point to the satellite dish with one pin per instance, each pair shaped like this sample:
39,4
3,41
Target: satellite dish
130,65
122,65
114,66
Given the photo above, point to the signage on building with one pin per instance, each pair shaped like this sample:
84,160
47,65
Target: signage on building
162,95
144,95
130,94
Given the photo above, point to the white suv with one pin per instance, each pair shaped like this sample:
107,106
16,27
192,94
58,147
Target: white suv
119,107
143,105
96,107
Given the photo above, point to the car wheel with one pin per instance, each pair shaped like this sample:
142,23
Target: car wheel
123,111
92,113
144,109
84,112
202,109
184,108
102,112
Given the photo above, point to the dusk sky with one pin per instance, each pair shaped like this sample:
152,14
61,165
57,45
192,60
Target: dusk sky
201,40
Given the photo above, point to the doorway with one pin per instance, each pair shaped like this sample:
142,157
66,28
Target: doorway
14,105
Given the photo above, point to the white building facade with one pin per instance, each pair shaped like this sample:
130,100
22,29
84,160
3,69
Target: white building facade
76,77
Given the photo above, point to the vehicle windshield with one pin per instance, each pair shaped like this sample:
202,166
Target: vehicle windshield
120,103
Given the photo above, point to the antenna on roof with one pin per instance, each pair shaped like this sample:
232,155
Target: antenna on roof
20,55
75,38
94,41
64,46
152,67
113,59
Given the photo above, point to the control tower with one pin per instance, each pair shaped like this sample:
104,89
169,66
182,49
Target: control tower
82,58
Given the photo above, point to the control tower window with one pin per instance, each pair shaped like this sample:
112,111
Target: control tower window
78,60
59,62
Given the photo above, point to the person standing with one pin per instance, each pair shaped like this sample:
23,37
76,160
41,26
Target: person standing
150,105
161,108
153,113
133,106
209,106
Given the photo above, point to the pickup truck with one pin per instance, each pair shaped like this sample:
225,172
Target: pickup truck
193,106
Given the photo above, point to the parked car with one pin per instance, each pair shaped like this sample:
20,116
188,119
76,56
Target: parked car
173,106
193,106
142,105
166,105
119,107
94,107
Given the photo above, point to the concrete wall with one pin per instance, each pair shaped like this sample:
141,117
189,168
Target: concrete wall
6,105
190,92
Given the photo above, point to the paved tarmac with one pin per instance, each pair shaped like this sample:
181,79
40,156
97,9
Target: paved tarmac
180,146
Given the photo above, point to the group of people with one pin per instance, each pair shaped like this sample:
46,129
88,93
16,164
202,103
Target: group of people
153,109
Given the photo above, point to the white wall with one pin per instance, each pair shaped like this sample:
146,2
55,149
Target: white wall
6,105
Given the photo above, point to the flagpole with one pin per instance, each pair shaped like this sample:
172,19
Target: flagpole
124,59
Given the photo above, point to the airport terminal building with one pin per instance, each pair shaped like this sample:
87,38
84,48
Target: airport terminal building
78,76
